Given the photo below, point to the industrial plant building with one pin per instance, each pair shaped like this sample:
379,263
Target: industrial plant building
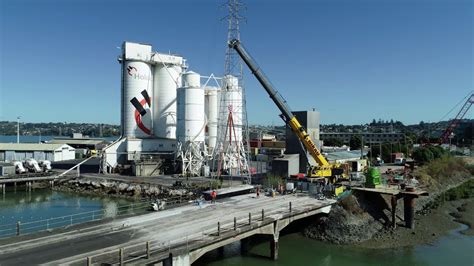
39,151
170,118
367,137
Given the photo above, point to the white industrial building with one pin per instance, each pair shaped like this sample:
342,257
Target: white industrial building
38,151
168,116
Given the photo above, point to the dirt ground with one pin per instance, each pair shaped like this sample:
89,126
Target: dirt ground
428,227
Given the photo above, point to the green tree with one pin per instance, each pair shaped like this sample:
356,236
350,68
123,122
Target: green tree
333,142
437,151
355,142
423,155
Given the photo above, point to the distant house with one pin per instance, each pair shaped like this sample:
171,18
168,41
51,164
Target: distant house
81,143
38,151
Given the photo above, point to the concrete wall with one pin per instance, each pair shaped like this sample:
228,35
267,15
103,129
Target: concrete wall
9,156
63,154
284,167
310,120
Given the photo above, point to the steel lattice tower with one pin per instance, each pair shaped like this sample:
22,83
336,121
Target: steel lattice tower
232,156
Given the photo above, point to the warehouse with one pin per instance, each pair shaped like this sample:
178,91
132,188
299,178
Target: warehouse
38,151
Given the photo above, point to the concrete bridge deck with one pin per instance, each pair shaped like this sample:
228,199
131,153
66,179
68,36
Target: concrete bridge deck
172,237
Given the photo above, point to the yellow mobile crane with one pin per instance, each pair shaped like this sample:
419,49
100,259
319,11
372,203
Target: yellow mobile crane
324,168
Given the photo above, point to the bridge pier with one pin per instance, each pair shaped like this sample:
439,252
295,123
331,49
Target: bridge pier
409,211
274,249
176,260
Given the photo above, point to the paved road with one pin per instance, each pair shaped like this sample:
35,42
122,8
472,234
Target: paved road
170,225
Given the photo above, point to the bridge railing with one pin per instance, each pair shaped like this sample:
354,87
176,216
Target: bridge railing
22,228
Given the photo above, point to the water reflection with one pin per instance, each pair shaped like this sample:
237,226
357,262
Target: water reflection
39,204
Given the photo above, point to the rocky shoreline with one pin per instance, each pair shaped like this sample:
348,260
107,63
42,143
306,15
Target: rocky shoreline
364,219
113,188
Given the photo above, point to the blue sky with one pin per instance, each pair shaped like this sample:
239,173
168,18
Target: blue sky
351,60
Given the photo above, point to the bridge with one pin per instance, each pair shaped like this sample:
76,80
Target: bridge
177,236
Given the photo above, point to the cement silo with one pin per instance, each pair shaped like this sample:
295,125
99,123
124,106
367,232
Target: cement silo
232,101
191,125
230,153
166,81
137,94
212,112
191,115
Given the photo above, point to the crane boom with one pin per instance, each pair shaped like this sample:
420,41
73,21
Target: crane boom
287,115
453,124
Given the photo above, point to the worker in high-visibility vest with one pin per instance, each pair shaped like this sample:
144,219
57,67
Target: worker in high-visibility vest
213,196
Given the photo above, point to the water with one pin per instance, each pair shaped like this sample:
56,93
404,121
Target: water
37,139
44,204
295,249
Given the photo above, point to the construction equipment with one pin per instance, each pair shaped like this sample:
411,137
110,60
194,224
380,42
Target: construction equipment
452,125
372,177
324,168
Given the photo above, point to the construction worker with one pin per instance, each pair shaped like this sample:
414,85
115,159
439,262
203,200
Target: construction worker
213,196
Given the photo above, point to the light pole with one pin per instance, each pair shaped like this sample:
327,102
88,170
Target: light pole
18,129
451,136
39,130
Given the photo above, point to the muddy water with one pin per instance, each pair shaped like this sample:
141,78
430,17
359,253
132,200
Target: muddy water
453,249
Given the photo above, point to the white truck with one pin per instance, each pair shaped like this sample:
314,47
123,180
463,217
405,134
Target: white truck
32,165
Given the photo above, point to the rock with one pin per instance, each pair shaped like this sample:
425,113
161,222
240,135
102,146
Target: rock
122,187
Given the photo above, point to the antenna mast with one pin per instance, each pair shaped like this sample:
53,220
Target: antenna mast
231,153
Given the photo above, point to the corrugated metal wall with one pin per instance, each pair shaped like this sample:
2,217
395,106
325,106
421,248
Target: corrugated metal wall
23,155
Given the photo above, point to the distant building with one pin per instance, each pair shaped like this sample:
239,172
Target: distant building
367,137
81,143
38,151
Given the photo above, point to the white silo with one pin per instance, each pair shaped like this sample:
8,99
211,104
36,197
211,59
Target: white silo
166,81
137,94
232,94
191,115
191,125
212,112
230,153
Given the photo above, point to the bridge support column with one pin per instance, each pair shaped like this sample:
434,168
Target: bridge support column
409,211
181,260
168,261
274,248
394,211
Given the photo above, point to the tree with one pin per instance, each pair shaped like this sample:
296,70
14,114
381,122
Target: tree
437,151
355,142
333,142
423,155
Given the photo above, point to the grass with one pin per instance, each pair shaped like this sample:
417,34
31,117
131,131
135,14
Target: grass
439,171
